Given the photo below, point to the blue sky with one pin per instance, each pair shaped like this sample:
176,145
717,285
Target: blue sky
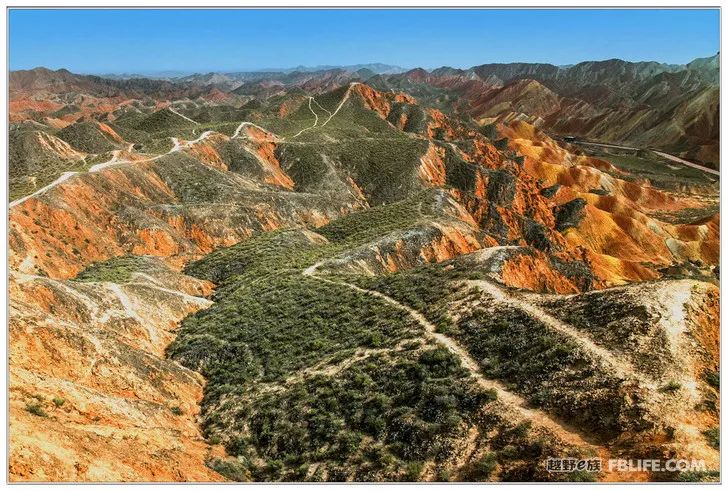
99,41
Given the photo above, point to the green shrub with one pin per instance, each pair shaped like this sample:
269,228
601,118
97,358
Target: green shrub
36,409
490,131
671,387
116,270
230,469
412,471
713,379
699,476
501,144
713,436
482,468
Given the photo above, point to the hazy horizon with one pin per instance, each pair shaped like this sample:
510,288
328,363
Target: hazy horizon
184,72
153,41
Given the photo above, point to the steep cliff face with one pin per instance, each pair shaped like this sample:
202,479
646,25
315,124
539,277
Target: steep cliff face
381,102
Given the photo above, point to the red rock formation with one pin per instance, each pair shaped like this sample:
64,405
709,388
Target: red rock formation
380,102
432,169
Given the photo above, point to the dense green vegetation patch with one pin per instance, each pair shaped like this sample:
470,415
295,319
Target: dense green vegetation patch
270,329
287,319
195,182
32,166
620,324
161,120
550,369
713,437
353,120
713,378
366,225
87,137
208,114
383,416
413,114
164,124
270,320
291,251
544,366
116,270
28,184
385,168
427,288
370,421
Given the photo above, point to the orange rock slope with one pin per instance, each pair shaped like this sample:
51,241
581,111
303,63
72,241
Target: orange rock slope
617,228
91,396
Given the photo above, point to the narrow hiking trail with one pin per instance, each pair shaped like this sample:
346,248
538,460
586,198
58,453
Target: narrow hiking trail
341,104
622,368
174,111
315,123
110,163
311,100
536,416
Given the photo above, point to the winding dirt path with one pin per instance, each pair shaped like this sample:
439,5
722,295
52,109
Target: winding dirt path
621,367
114,160
315,123
180,146
311,100
110,163
174,111
311,109
540,418
62,178
322,107
341,104
248,123
509,400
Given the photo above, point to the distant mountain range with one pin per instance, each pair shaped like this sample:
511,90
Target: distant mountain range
377,68
160,75
380,68
385,69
